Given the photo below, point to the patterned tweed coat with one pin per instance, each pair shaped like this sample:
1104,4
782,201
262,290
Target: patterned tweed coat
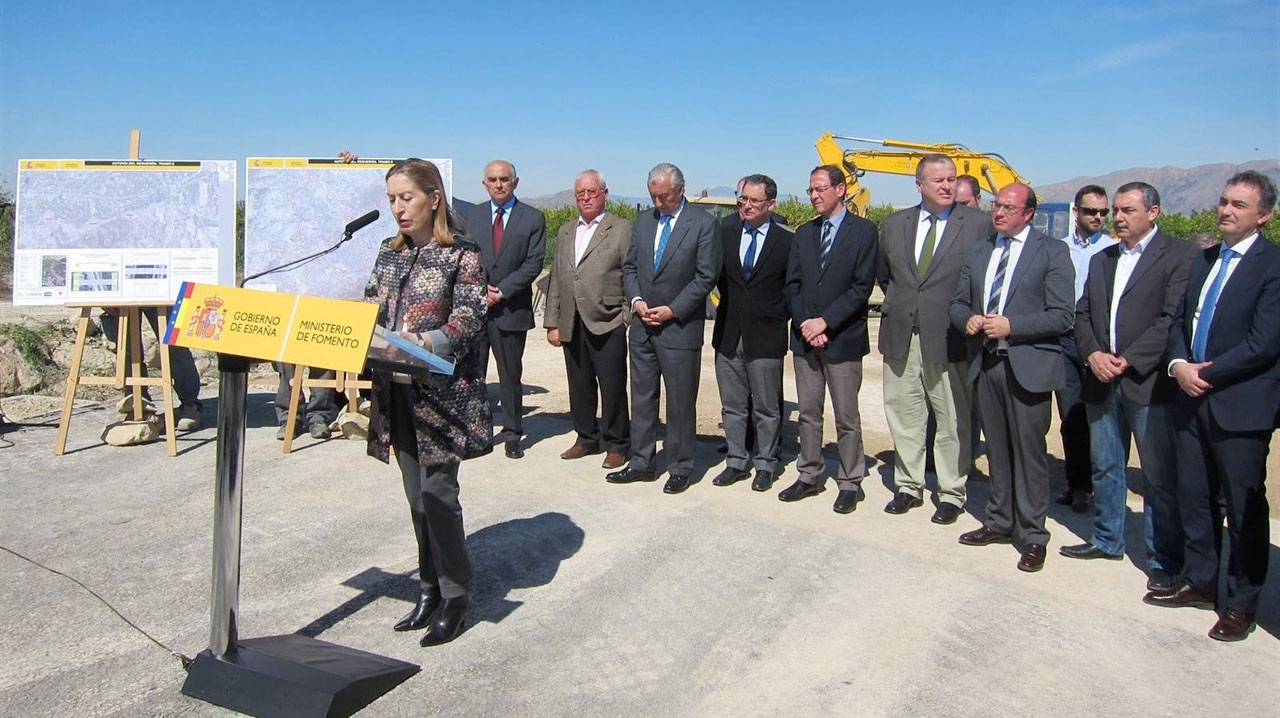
441,288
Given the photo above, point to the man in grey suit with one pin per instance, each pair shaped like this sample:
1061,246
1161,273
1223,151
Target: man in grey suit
1122,327
512,239
587,315
921,252
670,269
829,278
1014,301
750,335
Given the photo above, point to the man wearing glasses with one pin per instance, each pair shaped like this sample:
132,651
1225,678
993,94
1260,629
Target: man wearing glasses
921,253
750,335
1089,238
1013,301
587,315
512,239
829,278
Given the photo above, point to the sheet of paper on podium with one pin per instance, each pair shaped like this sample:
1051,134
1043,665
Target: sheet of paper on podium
290,328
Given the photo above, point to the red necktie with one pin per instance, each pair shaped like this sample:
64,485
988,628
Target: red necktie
497,233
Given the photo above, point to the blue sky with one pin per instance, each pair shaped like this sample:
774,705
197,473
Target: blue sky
721,89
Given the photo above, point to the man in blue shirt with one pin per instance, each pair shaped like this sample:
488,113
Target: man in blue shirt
1088,238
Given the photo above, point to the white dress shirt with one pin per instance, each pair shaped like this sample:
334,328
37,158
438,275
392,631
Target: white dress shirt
1129,259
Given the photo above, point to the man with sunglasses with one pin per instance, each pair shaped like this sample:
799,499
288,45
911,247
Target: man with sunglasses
1088,238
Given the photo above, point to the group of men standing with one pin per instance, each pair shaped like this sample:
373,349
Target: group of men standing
984,319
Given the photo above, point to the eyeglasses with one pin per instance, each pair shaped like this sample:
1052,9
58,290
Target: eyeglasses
818,190
1007,207
588,193
1093,211
743,200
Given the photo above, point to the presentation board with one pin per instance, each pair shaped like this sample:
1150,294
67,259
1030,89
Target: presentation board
296,206
131,230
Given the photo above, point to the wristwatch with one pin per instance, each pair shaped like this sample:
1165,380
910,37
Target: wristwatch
421,342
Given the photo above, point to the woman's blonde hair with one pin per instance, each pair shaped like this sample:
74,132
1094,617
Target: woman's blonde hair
426,177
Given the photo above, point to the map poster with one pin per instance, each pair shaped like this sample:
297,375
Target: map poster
122,230
297,206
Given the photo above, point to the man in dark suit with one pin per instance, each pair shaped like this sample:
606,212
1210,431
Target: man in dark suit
512,239
587,315
750,334
1014,300
1122,327
829,278
670,269
1224,349
921,252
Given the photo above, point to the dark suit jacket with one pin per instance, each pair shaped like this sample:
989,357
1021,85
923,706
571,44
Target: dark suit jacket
524,241
1244,339
838,293
1039,296
683,280
593,288
907,295
753,310
1147,305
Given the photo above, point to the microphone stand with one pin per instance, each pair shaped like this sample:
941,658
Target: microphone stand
298,262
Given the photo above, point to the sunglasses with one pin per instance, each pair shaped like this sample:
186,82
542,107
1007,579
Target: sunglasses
1092,212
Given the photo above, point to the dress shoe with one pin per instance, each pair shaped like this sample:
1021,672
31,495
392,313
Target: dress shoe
846,501
730,476
447,622
1159,581
983,537
319,429
188,416
613,460
902,502
512,449
297,431
1032,558
676,483
420,616
628,475
577,451
1233,626
946,514
1079,500
1088,551
1186,595
763,480
799,490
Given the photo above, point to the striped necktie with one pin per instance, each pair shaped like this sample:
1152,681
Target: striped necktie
828,239
662,241
749,262
997,284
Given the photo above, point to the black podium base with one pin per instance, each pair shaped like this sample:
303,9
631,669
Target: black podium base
294,676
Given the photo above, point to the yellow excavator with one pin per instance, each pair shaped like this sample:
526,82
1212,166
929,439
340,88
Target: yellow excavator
991,170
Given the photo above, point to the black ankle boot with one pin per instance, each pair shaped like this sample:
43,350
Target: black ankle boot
447,623
420,616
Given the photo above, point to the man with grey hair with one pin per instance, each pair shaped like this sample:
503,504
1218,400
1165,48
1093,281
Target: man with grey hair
587,315
1121,328
670,268
922,250
512,239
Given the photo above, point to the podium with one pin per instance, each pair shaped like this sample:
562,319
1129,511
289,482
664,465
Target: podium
285,676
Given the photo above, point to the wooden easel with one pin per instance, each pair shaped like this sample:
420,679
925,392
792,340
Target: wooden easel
128,336
344,383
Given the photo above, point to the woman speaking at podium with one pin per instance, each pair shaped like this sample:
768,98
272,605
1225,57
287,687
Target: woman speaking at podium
430,287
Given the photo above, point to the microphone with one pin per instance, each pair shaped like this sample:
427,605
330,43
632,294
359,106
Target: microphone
360,223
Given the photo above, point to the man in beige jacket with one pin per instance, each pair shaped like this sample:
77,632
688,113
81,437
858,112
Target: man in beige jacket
587,315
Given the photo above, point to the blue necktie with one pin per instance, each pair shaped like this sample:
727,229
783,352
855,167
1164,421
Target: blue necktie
993,304
749,263
662,241
827,241
1200,341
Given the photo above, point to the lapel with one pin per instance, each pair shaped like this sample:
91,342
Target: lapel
1030,252
841,238
482,232
732,245
912,218
678,233
1109,261
767,246
1149,256
1242,276
647,233
944,242
978,274
602,233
